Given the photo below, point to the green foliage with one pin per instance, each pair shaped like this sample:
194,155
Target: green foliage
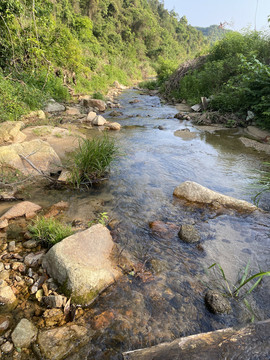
213,33
49,230
97,95
91,161
237,73
102,219
150,85
88,44
234,290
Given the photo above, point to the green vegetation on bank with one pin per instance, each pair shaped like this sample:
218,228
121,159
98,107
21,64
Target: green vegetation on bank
54,48
235,75
49,231
91,161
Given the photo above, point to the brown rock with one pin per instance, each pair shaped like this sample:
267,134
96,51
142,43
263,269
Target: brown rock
217,303
103,320
53,317
88,102
34,259
165,230
189,234
24,208
58,343
18,266
113,126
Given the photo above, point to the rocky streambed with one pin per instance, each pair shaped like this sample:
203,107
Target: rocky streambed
156,247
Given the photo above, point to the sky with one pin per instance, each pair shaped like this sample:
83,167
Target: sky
239,14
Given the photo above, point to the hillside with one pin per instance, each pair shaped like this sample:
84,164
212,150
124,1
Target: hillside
51,48
213,33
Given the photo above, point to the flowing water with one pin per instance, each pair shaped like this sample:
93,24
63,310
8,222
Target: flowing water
149,309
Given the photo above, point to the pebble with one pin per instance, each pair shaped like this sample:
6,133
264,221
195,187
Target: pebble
7,347
12,246
30,244
7,266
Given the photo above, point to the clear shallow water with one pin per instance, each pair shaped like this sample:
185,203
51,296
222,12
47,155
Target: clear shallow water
139,190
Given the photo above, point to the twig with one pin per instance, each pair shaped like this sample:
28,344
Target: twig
35,168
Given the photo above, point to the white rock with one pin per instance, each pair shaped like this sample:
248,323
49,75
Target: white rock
99,121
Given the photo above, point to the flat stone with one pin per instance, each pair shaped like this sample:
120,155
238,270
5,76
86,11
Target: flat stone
197,193
24,208
72,111
185,134
82,262
255,145
37,151
113,126
58,343
24,334
10,131
188,234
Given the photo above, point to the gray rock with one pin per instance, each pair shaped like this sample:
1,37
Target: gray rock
12,246
197,193
188,234
82,263
34,260
54,106
30,244
60,342
196,107
99,121
54,301
7,347
217,303
7,296
24,334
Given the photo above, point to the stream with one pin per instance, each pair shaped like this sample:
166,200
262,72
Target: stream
169,303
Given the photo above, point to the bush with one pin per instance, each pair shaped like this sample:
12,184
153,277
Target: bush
90,162
49,231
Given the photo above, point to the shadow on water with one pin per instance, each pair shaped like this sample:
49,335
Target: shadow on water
142,312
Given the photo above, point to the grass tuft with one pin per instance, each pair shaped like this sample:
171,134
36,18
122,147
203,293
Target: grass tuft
49,230
91,161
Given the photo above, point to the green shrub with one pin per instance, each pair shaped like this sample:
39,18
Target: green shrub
150,85
97,95
49,230
90,162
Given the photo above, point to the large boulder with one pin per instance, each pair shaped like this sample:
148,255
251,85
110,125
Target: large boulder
87,101
60,342
193,192
38,152
24,334
82,263
10,131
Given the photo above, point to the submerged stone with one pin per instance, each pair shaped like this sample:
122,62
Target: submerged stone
24,334
197,193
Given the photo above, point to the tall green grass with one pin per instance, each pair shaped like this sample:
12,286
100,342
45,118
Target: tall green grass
91,161
49,230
